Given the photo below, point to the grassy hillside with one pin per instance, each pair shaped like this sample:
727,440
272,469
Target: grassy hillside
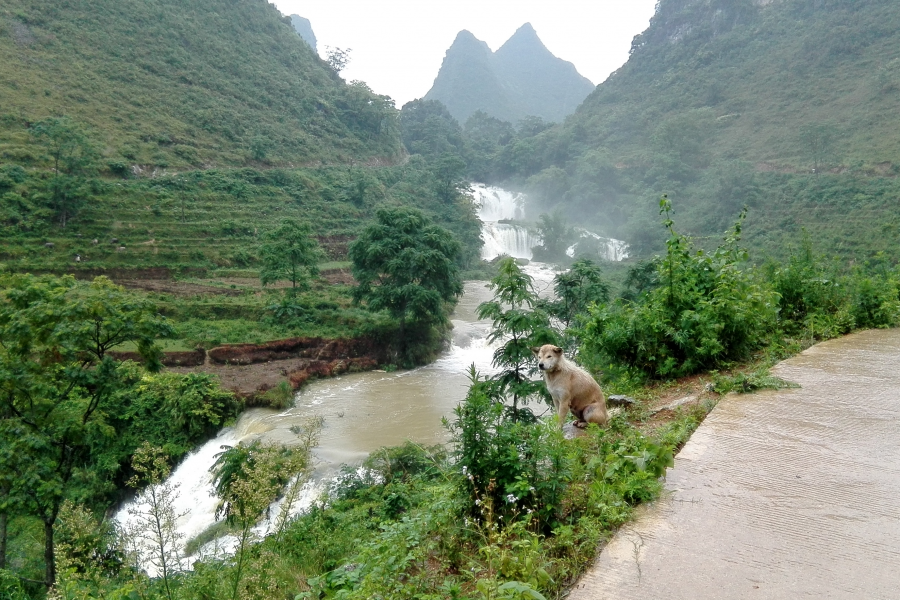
182,84
183,130
754,78
786,106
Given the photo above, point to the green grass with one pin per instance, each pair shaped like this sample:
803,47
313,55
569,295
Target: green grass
211,221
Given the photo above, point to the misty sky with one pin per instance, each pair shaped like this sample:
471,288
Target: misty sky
398,45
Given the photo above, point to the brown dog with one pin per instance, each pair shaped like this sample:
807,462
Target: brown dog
571,387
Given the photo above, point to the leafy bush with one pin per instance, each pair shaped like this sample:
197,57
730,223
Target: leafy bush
705,311
172,410
820,301
513,465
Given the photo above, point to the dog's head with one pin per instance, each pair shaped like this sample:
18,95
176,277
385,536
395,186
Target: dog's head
548,356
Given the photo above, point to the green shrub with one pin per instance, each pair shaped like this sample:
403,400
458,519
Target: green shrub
704,311
173,411
513,465
875,302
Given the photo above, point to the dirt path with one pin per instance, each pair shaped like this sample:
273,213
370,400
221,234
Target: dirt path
778,495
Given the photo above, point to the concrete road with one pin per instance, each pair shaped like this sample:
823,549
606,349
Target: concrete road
778,495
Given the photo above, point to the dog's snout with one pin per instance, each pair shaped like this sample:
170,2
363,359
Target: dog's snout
541,366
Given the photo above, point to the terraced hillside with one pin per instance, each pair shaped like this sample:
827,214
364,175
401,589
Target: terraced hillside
212,220
170,134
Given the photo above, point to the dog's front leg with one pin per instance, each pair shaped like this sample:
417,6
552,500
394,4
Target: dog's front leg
562,408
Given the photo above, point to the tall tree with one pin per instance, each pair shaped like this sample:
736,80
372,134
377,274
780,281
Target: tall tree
73,158
56,383
555,235
428,128
406,265
519,323
289,252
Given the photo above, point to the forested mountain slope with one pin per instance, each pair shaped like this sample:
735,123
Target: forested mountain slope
180,83
787,106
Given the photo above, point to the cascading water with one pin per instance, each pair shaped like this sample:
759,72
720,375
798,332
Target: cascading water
495,205
606,248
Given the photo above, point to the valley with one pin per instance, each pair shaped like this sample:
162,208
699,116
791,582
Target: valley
266,334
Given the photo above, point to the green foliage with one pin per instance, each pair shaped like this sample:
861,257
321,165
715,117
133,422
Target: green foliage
289,252
11,587
248,478
402,463
279,397
153,533
405,265
519,323
819,300
745,383
171,411
556,236
706,311
72,158
511,464
191,223
577,289
755,99
428,129
58,385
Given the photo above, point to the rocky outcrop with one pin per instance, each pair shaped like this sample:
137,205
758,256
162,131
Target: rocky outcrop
251,370
304,29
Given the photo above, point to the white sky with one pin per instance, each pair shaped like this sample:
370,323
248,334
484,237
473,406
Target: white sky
398,45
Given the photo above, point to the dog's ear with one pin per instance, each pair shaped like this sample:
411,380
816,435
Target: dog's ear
536,350
557,350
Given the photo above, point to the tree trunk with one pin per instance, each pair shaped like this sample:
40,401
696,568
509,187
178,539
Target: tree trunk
4,523
49,555
4,516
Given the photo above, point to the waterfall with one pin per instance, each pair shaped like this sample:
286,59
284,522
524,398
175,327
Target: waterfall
606,248
494,205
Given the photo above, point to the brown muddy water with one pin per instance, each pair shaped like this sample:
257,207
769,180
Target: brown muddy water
778,495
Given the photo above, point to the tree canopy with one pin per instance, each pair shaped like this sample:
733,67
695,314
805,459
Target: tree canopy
406,265
290,252
518,323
